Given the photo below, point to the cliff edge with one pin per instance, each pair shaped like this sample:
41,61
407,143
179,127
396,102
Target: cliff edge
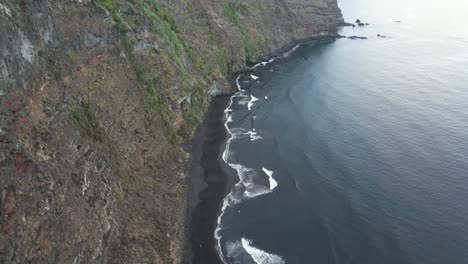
95,97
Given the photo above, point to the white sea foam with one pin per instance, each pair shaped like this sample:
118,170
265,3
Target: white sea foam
234,197
255,190
244,99
246,187
263,63
228,201
235,250
267,172
253,135
260,256
251,102
239,88
286,54
248,178
273,182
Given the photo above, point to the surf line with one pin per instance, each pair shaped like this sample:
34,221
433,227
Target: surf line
260,256
246,188
230,199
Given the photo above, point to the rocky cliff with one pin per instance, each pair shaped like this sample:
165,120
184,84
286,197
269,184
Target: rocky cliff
95,97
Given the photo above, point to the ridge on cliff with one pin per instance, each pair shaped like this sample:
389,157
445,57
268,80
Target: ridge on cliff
95,96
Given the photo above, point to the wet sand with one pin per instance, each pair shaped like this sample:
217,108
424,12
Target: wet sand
208,180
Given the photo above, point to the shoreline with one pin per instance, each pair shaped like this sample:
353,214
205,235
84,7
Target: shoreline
285,49
209,177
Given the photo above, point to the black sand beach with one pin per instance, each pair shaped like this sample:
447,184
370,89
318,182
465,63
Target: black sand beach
209,176
208,179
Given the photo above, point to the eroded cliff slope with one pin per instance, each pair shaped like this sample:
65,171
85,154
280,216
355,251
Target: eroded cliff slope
95,96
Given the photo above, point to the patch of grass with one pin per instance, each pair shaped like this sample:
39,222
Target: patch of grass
162,24
211,33
251,49
194,110
108,4
208,71
231,11
202,67
222,61
193,114
83,118
156,103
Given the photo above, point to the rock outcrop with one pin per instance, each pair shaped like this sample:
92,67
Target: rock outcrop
94,98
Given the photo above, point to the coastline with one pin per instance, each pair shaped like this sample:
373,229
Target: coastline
208,179
105,158
283,50
209,176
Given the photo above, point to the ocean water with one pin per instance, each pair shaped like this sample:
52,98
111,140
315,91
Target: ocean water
355,151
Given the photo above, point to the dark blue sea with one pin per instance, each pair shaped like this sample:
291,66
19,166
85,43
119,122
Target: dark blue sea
355,151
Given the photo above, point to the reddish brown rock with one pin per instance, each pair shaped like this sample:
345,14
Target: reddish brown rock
91,117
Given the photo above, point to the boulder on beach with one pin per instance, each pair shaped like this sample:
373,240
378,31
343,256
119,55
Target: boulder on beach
358,21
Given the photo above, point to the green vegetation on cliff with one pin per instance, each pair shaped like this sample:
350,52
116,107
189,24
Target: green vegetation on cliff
157,103
93,92
231,10
83,117
108,4
194,98
163,25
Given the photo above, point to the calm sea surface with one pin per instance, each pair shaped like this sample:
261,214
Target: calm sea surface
355,151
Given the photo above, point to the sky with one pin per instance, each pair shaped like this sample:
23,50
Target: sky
441,11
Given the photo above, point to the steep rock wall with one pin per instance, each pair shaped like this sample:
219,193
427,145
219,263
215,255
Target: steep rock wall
95,96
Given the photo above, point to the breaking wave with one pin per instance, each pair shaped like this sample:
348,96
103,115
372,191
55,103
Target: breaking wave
247,187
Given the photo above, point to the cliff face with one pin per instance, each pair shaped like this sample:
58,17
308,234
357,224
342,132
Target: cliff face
95,95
